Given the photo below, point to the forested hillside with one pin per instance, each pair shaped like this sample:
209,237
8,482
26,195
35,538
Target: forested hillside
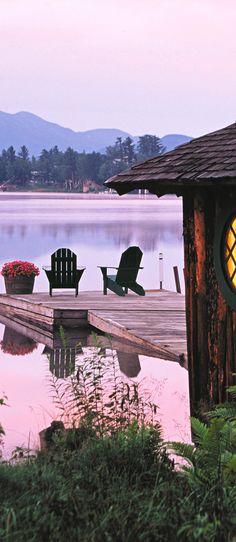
71,169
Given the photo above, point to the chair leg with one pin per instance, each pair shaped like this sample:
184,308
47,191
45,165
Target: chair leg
76,290
50,291
126,289
137,289
104,287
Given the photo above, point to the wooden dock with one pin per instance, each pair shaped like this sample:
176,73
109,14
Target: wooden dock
155,323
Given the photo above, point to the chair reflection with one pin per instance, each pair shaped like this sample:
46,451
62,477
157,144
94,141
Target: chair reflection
62,355
62,360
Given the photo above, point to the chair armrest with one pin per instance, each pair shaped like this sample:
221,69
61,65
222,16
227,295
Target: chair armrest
125,268
46,267
107,267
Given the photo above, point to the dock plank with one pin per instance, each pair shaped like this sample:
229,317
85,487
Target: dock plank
155,322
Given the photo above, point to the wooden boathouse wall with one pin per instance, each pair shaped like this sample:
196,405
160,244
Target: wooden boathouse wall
211,324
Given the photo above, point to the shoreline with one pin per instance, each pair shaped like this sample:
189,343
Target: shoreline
82,196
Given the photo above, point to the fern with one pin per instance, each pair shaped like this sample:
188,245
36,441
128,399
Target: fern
200,430
227,411
212,458
232,391
229,465
181,449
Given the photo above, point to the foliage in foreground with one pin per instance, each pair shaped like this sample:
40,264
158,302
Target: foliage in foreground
2,432
121,487
109,478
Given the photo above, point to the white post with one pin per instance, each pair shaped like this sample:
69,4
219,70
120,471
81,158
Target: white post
161,273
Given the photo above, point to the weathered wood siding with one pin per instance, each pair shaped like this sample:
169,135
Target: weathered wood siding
211,323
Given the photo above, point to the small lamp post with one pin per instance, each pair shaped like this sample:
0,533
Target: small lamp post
161,272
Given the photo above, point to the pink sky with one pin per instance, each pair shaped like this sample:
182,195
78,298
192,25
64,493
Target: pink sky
144,66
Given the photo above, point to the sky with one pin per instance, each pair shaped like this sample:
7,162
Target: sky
143,66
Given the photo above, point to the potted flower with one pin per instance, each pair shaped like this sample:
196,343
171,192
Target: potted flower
19,277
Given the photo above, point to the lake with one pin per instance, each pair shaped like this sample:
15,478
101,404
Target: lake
98,229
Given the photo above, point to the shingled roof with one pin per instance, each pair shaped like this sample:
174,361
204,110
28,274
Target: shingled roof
205,161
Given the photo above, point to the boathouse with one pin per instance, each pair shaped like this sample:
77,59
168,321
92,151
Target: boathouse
203,173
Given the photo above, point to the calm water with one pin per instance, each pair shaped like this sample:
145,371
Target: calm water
98,229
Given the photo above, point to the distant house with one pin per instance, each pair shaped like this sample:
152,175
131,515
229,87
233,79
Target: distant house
88,185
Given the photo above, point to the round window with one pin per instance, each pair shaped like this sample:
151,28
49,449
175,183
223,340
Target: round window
225,256
230,253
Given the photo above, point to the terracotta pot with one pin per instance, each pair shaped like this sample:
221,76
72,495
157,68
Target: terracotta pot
19,284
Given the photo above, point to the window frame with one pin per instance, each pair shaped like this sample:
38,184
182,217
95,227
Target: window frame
222,225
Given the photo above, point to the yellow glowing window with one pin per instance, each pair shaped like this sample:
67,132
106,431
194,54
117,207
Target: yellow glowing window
230,253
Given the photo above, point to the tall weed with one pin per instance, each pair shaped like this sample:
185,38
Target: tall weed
96,395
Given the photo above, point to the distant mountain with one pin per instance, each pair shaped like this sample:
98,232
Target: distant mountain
171,141
27,129
24,128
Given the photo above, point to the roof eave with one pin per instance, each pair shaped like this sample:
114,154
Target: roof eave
203,162
163,186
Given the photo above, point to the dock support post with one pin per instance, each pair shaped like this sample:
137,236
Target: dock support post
177,281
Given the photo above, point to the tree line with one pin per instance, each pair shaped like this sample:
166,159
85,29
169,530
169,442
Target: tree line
71,168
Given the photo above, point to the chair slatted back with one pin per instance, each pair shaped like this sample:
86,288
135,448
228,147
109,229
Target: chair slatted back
63,264
129,265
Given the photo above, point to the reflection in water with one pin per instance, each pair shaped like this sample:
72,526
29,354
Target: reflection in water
99,395
16,344
158,382
62,360
32,228
159,393
147,233
128,363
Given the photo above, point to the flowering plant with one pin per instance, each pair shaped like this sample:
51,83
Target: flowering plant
19,268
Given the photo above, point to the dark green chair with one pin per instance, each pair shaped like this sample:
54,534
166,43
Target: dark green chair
63,272
126,275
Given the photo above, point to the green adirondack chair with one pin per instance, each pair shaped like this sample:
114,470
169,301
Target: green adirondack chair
126,275
64,272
